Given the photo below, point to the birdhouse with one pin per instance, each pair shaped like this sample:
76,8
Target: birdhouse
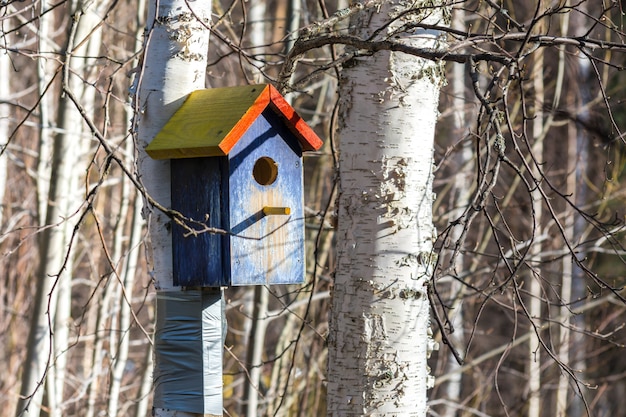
237,167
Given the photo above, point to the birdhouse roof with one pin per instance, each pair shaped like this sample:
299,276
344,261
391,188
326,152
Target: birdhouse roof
210,122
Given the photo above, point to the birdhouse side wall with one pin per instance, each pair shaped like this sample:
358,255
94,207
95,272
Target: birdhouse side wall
199,192
266,249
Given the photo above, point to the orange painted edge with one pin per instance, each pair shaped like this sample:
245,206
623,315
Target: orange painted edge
307,137
240,128
269,96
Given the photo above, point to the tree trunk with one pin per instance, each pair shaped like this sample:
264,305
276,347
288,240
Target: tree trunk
45,71
460,200
254,355
55,261
174,65
579,291
5,124
379,335
535,276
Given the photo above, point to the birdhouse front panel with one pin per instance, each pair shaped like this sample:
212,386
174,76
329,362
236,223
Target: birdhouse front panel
266,211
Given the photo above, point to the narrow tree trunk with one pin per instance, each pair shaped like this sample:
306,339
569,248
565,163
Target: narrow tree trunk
579,287
462,187
566,282
146,385
54,259
534,308
124,294
45,70
566,276
254,356
378,341
5,125
89,38
257,13
128,267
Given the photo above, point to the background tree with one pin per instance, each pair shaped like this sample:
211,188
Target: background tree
379,339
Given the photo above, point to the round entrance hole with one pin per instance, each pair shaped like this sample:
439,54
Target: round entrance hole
265,170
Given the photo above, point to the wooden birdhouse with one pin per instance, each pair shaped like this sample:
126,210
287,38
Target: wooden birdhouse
237,166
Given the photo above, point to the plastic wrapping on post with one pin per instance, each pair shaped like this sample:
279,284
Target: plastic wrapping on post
188,351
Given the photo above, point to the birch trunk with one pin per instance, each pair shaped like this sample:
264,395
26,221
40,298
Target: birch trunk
256,13
379,332
89,40
129,265
174,64
45,71
566,283
534,346
255,350
578,285
124,296
566,278
51,304
462,187
5,124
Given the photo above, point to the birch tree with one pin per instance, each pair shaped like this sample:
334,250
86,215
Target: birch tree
379,336
5,112
174,65
46,354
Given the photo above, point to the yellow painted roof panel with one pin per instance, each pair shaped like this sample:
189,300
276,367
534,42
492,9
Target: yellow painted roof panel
203,122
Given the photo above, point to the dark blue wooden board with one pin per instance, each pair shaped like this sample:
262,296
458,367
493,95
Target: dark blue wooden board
199,193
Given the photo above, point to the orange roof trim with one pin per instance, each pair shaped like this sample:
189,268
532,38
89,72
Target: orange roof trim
210,122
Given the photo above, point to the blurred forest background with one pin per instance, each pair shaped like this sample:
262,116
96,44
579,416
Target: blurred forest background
530,209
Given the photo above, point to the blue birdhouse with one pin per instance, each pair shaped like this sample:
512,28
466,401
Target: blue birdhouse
237,167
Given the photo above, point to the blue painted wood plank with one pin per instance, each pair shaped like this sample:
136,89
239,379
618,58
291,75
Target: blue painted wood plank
198,192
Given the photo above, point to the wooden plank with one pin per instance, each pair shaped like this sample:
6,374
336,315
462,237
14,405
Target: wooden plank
205,120
197,193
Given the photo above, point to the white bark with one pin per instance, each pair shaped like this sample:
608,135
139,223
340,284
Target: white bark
534,308
378,342
73,124
462,187
566,285
174,65
566,279
294,15
255,350
146,385
257,13
45,71
55,263
129,265
578,283
127,272
5,125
